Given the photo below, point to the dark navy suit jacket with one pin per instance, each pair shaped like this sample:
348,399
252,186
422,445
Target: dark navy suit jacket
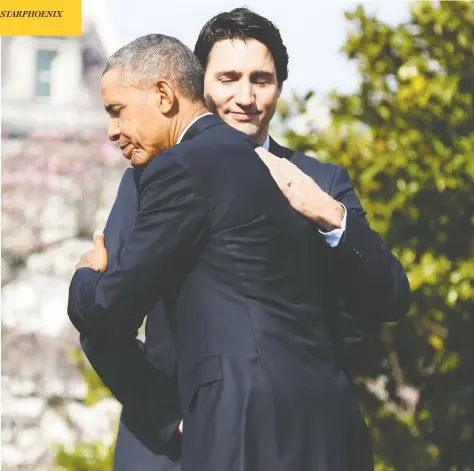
126,365
360,253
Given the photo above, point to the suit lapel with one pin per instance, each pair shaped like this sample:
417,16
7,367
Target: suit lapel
303,162
280,151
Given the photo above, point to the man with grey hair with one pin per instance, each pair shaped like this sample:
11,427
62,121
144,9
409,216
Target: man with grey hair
235,267
132,73
149,55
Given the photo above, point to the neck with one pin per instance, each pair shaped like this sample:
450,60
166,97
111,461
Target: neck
188,113
260,137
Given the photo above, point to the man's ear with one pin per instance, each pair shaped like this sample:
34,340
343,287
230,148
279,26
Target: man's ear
166,96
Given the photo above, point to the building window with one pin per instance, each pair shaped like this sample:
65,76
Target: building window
44,61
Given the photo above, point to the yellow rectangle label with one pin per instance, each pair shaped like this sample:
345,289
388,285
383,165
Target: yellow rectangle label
40,18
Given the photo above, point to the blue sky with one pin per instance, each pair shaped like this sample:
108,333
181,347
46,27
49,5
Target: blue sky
313,31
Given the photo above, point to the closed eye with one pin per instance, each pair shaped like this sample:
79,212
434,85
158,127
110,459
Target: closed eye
262,77
227,76
113,111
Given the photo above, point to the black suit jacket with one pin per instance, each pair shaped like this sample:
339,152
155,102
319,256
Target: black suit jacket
351,255
352,319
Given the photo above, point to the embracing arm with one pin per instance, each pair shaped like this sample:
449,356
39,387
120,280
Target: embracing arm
108,307
370,277
171,224
369,273
149,395
122,362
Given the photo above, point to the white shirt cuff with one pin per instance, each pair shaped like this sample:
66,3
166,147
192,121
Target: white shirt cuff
334,237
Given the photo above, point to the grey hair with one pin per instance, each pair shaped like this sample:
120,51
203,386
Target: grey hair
150,58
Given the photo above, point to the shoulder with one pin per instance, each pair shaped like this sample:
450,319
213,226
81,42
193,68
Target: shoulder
223,136
165,169
201,158
128,182
218,142
323,173
333,179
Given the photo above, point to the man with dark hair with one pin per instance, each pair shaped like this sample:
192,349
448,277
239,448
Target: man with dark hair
246,65
242,24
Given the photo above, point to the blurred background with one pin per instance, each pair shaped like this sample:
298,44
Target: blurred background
385,89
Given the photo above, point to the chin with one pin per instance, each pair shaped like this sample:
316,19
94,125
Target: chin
248,128
136,160
140,159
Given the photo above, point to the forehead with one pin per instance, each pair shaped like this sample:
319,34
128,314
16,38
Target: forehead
239,55
112,87
110,79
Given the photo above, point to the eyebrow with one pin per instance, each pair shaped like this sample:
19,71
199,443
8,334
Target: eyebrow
227,72
255,73
262,74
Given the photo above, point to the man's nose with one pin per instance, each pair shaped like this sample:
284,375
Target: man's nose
244,96
113,130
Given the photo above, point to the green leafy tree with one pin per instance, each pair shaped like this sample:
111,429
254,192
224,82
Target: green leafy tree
94,456
86,457
406,135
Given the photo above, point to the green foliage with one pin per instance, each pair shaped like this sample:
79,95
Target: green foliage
85,457
407,138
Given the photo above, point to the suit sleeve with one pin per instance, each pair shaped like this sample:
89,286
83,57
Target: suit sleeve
149,396
371,277
171,225
122,362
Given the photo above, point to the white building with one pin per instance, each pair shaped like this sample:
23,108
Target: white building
53,82
53,130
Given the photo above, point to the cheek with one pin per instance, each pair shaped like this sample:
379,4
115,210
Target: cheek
217,96
144,127
152,132
130,129
127,125
267,100
210,104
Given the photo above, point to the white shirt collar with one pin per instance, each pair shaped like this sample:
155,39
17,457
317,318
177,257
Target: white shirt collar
266,144
189,125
